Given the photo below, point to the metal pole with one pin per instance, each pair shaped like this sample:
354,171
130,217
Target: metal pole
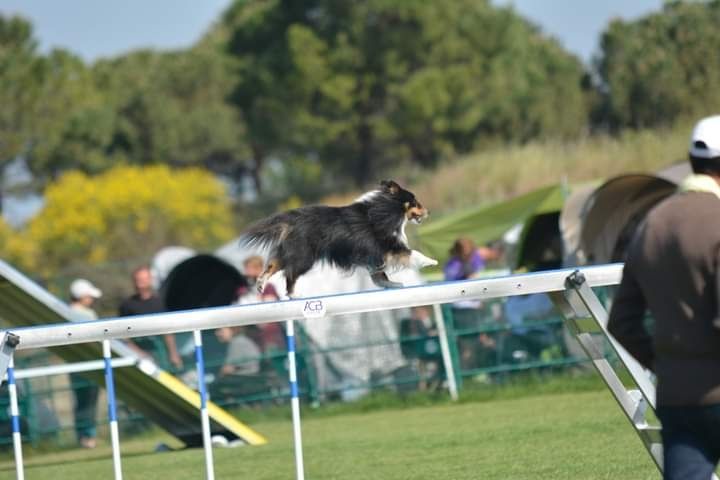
68,333
294,400
445,349
15,416
112,414
89,366
204,416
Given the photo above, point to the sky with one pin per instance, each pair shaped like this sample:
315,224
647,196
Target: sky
94,28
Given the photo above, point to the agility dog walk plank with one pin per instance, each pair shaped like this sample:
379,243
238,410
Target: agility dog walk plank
158,395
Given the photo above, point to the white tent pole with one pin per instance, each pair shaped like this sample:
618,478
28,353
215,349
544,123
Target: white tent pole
445,349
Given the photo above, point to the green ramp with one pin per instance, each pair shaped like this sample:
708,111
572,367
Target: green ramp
158,395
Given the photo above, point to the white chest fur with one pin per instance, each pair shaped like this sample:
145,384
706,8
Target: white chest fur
401,233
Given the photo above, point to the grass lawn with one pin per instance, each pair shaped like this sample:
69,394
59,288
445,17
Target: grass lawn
553,436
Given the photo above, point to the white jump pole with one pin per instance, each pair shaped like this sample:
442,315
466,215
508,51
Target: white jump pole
445,350
65,368
294,400
15,417
204,416
112,411
68,333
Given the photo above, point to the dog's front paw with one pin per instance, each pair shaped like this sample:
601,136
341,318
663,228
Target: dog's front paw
421,261
429,262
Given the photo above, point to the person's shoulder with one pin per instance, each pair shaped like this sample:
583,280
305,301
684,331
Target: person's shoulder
685,206
125,304
84,313
242,345
154,304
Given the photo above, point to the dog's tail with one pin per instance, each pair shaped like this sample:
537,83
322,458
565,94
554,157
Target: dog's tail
266,233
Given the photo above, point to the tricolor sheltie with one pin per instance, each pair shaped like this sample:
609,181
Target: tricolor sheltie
368,233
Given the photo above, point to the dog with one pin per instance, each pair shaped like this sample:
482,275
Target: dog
369,233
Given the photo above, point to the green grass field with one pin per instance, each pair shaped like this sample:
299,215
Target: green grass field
551,436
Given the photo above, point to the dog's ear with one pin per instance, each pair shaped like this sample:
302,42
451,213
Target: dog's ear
389,186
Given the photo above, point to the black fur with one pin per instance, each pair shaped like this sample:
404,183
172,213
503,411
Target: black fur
367,233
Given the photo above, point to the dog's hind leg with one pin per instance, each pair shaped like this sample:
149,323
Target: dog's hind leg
381,279
272,267
294,269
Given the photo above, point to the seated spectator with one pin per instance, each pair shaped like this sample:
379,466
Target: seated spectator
415,335
467,261
420,346
243,354
239,376
525,340
253,267
272,334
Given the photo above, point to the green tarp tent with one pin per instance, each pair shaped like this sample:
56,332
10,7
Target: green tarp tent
487,223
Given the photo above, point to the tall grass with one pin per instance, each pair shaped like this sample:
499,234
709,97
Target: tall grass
502,172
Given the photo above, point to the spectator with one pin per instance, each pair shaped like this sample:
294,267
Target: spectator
672,270
466,261
269,336
253,267
82,297
273,336
243,354
145,301
420,346
525,340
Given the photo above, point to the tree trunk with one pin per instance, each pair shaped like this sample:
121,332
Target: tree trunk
364,163
258,162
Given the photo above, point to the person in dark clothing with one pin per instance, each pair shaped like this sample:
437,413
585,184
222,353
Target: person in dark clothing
672,270
145,301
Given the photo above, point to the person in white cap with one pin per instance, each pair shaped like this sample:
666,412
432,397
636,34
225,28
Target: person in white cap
672,270
82,297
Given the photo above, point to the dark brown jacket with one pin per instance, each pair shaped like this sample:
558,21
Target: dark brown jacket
671,270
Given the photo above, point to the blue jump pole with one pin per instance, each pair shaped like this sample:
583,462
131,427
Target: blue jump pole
112,411
15,418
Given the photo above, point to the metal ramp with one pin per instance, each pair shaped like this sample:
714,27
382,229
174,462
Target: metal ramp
629,383
158,395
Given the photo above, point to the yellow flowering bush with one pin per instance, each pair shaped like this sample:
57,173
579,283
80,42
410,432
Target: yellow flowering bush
128,213
14,247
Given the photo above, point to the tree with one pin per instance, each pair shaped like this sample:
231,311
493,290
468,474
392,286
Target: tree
72,125
171,108
365,86
19,86
49,106
13,247
661,67
126,212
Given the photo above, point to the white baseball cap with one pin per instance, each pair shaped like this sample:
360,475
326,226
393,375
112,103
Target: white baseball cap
83,288
705,138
